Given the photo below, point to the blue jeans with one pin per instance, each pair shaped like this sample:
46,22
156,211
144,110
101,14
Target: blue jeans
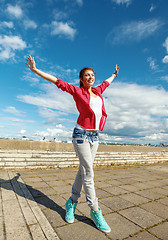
86,145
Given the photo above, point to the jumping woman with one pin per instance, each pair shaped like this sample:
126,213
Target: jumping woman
85,138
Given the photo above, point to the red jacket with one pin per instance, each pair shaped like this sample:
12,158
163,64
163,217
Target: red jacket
81,96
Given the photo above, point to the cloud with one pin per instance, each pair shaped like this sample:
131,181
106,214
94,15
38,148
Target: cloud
164,78
22,131
14,111
134,31
79,2
5,24
8,46
153,7
127,2
152,64
15,11
165,59
133,112
29,24
59,132
52,98
63,29
165,44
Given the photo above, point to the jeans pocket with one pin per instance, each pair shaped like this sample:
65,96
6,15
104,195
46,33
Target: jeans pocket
79,141
78,133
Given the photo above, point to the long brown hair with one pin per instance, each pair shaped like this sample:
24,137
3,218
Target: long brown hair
82,73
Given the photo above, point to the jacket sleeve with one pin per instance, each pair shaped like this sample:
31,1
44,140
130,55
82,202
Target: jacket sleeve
64,86
102,87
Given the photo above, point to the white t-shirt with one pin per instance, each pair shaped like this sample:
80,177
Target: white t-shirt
96,106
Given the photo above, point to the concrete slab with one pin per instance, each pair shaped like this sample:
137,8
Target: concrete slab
161,231
141,217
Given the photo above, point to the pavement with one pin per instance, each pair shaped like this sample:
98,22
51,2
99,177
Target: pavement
133,199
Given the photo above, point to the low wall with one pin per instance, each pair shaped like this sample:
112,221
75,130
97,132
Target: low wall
31,154
47,159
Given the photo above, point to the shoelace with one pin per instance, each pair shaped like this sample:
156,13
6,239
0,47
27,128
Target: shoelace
100,218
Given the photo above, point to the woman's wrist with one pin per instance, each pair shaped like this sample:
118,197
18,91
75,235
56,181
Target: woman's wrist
115,75
34,69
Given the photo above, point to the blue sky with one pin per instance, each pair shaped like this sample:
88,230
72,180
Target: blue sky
67,35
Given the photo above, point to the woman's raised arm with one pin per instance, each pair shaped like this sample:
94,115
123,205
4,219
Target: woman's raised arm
31,64
110,79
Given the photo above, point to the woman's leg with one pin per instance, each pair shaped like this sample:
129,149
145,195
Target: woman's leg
86,151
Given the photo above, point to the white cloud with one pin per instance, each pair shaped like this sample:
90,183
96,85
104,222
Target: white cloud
153,7
22,131
152,64
14,111
8,46
58,132
165,44
63,29
16,11
79,2
135,111
134,31
164,78
127,2
29,24
6,24
165,59
50,98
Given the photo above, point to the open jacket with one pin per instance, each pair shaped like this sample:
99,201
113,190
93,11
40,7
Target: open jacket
81,96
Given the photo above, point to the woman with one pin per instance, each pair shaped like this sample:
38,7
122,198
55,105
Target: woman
92,117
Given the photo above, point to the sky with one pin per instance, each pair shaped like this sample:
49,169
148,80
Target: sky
66,35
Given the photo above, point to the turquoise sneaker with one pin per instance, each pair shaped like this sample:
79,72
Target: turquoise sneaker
99,221
70,210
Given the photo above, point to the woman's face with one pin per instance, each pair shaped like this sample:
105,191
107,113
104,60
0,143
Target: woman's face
88,78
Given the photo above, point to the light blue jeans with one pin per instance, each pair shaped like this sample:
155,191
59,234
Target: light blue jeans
86,145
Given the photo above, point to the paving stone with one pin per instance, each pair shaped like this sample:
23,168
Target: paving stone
161,191
163,201
101,184
14,229
102,194
120,226
116,190
82,230
134,198
157,209
116,203
52,202
142,186
63,189
57,217
29,180
151,194
161,231
114,182
142,236
129,188
128,180
141,217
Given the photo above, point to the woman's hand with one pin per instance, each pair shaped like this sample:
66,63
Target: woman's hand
31,63
116,70
114,75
